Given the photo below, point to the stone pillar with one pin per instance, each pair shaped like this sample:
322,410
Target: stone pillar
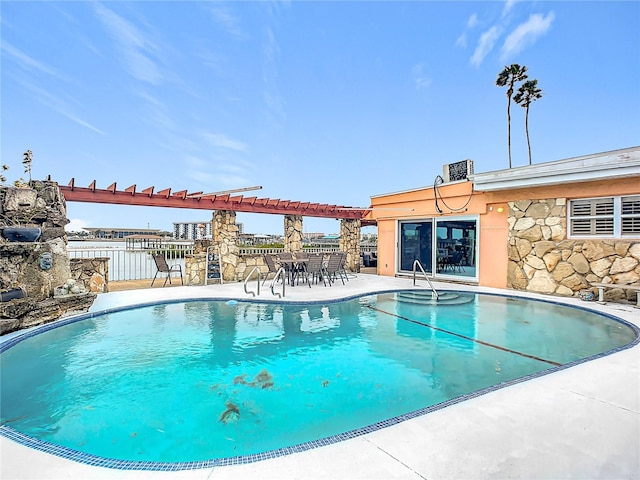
293,233
225,236
350,242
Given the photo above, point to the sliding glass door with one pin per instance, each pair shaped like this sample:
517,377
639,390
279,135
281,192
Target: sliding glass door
456,247
452,251
416,243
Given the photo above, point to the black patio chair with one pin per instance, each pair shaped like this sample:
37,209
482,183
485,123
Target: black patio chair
289,264
273,266
315,270
163,267
335,267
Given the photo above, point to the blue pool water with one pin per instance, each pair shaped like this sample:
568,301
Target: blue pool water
205,380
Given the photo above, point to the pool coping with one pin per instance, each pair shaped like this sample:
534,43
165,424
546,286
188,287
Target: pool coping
110,463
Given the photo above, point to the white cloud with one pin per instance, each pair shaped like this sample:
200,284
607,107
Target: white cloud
135,46
461,41
508,5
27,61
485,45
420,78
271,95
59,105
217,181
526,34
195,162
223,17
220,140
231,181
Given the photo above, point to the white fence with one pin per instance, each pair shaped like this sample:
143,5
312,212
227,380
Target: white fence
129,264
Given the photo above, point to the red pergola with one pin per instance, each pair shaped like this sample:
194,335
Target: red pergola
200,201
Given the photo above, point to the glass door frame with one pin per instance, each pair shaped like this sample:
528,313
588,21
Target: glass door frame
434,221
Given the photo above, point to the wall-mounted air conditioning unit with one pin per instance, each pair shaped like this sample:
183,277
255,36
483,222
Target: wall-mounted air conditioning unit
453,172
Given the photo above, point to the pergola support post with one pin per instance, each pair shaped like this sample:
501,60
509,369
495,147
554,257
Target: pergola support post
350,242
225,237
293,233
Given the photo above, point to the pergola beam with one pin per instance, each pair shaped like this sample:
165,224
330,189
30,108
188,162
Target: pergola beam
199,201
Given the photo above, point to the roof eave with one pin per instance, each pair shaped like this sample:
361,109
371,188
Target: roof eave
602,166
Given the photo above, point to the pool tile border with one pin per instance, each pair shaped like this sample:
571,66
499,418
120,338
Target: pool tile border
97,461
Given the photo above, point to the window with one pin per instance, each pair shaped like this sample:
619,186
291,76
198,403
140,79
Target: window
631,216
605,217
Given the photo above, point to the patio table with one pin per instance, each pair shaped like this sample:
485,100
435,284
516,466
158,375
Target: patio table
294,269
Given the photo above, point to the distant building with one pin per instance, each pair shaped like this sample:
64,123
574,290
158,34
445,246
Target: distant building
257,239
114,233
195,230
191,230
310,236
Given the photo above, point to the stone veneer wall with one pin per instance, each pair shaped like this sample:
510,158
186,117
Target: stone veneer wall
41,206
195,266
93,273
350,242
24,265
543,260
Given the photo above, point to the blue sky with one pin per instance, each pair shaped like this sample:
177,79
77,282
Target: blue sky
328,102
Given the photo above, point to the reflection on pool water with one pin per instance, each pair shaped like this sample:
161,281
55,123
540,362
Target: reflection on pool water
204,380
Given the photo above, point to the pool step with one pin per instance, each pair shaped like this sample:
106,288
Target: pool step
425,297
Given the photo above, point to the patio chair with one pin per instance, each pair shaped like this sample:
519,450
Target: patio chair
287,261
455,261
285,257
273,266
302,256
315,269
301,259
342,270
163,267
335,267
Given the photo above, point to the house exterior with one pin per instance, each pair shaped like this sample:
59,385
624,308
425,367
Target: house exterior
553,228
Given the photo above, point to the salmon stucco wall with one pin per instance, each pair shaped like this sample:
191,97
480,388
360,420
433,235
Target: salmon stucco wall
493,241
386,253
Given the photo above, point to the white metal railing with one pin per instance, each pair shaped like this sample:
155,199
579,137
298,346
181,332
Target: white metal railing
281,274
416,263
137,264
130,264
319,249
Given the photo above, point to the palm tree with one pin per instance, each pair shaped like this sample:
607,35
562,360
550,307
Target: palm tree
508,77
527,93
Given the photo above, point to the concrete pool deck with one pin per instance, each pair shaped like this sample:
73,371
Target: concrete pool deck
580,422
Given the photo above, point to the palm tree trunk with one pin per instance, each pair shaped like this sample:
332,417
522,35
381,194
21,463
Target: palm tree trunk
509,129
526,127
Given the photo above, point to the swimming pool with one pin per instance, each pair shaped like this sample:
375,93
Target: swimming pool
222,401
